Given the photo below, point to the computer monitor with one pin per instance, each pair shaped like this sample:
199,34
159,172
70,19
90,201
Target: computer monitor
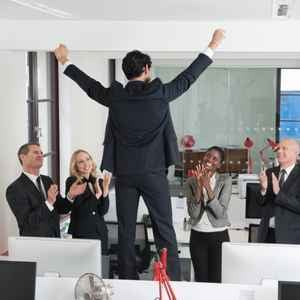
17,279
58,257
249,263
288,290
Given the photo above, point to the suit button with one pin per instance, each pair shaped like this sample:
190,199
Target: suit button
93,213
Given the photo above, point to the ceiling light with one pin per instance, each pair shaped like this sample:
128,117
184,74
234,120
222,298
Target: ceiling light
43,8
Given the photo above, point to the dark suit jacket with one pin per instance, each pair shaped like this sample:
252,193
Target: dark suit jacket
32,214
140,136
87,215
286,206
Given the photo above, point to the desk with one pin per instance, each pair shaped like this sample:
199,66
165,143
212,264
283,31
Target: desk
63,289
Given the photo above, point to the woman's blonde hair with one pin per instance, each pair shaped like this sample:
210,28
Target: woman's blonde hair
73,166
74,170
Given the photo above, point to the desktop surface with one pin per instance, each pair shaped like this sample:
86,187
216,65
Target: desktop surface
63,289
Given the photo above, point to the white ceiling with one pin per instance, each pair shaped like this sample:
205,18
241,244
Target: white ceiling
151,10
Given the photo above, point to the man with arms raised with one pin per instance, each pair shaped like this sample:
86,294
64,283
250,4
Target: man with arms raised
140,144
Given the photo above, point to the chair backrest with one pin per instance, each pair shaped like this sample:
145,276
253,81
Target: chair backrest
253,209
112,228
253,233
142,245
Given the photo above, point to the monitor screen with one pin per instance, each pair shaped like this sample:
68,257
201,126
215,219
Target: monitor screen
58,257
250,263
17,280
288,290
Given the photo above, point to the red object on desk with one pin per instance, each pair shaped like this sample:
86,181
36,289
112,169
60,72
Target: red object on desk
160,275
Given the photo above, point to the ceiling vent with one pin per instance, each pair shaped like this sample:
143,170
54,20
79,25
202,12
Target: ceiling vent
282,9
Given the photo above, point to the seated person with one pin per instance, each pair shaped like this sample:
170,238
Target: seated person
34,199
208,196
87,221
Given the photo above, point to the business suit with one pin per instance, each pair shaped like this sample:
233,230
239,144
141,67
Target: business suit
87,221
206,246
28,205
265,233
286,206
140,144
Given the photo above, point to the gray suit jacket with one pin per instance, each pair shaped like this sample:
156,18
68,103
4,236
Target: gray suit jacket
216,208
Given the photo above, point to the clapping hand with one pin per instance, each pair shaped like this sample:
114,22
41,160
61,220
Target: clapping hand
203,176
275,184
76,189
263,179
52,193
106,181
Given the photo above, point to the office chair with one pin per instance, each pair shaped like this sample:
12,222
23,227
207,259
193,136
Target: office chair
253,231
142,247
253,209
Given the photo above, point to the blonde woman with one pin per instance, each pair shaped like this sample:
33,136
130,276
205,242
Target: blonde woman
89,208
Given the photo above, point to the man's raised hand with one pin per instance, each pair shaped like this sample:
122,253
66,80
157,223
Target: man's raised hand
62,53
217,37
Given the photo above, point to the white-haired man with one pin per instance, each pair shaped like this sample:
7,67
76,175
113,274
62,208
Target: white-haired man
280,189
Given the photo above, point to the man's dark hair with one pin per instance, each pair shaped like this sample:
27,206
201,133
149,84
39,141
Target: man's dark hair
24,149
219,150
134,62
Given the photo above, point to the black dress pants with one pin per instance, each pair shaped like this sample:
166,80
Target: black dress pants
154,188
206,254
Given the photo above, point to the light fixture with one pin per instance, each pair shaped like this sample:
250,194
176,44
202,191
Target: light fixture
44,8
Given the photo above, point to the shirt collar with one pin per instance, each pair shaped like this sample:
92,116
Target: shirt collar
289,169
32,177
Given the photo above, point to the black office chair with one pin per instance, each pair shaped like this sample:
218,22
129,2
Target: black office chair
253,233
253,209
142,247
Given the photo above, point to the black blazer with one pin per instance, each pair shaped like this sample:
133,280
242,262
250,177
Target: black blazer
32,214
87,219
285,206
140,137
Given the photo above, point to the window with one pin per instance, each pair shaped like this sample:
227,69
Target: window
43,108
289,125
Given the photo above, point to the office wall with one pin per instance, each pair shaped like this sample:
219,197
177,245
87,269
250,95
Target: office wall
82,120
13,131
260,37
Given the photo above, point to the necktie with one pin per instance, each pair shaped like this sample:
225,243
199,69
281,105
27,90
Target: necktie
282,177
39,186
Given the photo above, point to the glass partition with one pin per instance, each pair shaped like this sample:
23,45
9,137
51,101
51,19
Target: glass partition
234,108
